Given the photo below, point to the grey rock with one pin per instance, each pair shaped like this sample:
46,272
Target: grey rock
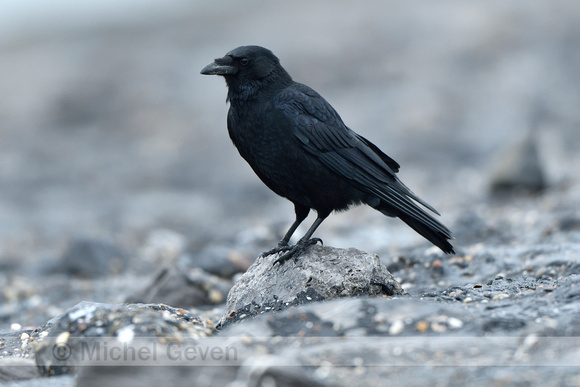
60,349
518,167
184,287
92,258
322,273
12,369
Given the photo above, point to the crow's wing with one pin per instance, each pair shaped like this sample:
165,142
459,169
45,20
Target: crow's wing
322,133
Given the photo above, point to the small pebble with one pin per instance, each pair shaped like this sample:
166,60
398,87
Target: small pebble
396,327
454,323
137,320
550,322
422,326
215,296
62,338
437,264
500,296
467,300
15,327
24,336
439,328
126,334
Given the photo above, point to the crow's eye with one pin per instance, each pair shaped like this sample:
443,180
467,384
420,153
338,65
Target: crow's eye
244,61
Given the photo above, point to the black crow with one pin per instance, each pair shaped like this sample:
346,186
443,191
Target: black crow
299,147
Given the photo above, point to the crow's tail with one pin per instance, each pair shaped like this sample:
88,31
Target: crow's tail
420,221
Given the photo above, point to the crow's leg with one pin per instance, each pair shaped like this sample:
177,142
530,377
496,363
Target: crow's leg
304,242
301,214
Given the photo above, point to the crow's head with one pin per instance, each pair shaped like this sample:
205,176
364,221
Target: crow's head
247,70
248,62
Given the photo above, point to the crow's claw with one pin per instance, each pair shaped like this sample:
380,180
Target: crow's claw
314,241
282,246
295,251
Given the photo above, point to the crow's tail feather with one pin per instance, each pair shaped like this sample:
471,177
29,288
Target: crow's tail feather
429,227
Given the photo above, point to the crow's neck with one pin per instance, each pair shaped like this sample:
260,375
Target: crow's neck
240,91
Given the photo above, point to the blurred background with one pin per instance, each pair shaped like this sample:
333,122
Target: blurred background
109,132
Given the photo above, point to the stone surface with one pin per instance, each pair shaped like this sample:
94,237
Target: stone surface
186,287
12,369
59,347
321,273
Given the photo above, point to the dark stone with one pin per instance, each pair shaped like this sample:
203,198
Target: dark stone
186,288
503,325
90,258
518,168
569,222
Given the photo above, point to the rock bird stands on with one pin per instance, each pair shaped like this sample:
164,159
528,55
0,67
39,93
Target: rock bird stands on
299,147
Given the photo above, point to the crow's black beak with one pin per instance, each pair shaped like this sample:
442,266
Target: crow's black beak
221,66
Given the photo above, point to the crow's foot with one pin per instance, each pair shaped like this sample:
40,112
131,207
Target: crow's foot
282,246
294,251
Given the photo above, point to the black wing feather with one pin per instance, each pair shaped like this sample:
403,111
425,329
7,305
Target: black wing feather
321,132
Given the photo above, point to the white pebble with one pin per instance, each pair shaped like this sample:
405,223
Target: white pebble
396,327
15,327
454,323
